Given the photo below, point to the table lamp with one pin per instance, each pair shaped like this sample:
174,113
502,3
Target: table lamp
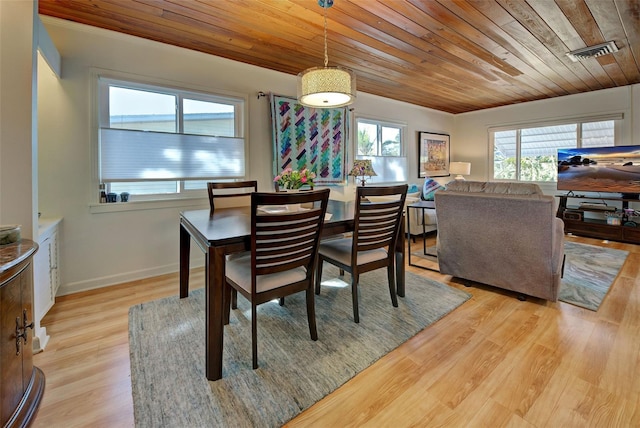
362,167
460,169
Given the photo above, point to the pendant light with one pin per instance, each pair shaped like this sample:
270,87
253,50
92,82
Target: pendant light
326,87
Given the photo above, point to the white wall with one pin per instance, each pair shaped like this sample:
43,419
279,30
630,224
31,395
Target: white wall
17,136
470,140
99,249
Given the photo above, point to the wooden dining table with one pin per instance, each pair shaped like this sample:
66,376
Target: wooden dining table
228,231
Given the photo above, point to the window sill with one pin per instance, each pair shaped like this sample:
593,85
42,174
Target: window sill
194,203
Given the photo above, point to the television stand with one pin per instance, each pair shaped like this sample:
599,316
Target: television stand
576,218
631,196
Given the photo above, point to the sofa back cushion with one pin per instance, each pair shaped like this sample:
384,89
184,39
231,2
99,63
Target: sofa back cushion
494,187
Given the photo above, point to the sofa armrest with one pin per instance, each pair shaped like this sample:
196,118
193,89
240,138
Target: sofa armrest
558,245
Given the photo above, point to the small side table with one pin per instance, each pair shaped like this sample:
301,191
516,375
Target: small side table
421,205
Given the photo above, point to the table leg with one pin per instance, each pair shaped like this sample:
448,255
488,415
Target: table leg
214,323
400,253
185,243
424,234
409,235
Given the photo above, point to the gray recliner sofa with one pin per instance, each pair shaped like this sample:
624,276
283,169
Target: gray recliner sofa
502,234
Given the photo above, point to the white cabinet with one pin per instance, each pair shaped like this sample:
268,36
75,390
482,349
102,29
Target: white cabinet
46,278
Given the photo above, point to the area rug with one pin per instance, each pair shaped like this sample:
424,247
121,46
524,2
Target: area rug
589,272
166,340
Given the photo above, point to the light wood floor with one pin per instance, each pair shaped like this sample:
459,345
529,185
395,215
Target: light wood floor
493,362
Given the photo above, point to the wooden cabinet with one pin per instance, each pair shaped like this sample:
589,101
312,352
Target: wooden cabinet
576,217
46,278
21,384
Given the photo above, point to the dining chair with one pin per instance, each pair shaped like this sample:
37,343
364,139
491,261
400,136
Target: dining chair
284,247
372,244
229,189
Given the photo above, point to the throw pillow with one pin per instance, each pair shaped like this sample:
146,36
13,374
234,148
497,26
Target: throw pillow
429,188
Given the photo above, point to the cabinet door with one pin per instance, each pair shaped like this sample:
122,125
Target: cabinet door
26,312
54,260
42,298
11,387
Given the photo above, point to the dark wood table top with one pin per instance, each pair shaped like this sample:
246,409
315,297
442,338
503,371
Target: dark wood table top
231,225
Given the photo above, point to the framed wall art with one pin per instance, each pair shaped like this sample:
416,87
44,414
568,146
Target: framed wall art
433,155
310,138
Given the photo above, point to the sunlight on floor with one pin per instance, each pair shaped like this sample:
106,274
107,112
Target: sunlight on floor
334,282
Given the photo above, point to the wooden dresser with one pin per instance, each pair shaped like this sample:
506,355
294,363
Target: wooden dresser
21,384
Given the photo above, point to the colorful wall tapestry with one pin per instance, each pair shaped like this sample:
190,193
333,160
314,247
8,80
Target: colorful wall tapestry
309,138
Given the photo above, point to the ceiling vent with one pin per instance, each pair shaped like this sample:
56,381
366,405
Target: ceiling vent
593,51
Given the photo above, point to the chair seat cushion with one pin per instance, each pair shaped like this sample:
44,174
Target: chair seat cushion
340,251
238,270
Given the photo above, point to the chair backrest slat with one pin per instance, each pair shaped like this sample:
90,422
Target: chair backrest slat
276,243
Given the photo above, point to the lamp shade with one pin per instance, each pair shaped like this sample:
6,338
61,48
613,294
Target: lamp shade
326,87
362,167
460,168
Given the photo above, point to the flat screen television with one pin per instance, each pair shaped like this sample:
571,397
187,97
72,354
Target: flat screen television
600,169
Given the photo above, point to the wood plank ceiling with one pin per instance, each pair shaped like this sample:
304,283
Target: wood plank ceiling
449,55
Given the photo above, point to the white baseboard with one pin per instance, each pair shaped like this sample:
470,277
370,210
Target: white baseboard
105,281
40,339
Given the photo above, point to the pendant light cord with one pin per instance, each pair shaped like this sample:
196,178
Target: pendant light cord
326,55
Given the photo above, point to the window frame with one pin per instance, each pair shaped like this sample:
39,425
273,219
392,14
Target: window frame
100,80
617,118
380,123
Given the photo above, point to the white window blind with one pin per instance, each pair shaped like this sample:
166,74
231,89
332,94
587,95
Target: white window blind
390,169
128,155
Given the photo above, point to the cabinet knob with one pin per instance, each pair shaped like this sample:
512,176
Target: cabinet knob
19,334
24,322
21,330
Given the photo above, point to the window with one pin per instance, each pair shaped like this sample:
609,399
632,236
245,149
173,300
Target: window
530,153
378,138
382,143
164,141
